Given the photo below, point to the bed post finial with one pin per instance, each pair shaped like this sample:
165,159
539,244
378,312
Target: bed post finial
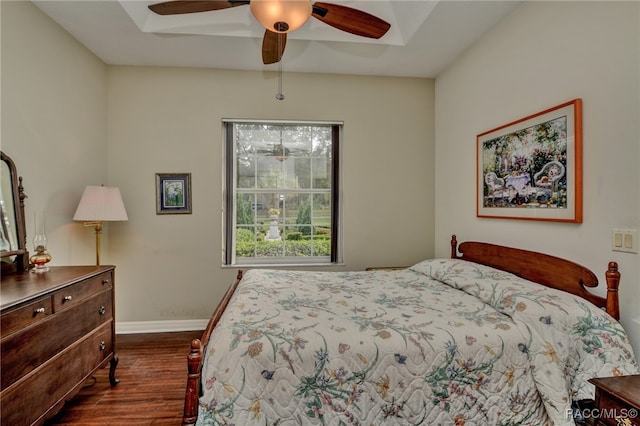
613,282
454,247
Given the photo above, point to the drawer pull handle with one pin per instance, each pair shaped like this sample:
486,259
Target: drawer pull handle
102,310
67,298
102,345
105,281
39,311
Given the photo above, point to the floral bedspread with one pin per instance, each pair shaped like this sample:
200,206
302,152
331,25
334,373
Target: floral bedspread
445,342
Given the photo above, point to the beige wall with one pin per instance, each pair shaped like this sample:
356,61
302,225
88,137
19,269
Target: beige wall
54,123
81,122
543,54
166,120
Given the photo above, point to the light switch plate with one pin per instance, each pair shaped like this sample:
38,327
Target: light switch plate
625,240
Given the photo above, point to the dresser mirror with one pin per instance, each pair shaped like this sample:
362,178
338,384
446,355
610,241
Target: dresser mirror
13,236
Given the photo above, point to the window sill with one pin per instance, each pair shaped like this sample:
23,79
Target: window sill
280,265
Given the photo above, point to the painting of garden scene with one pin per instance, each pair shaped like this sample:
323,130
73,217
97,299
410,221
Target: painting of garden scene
527,168
173,193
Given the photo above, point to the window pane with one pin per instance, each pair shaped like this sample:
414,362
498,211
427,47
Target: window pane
302,173
289,178
269,174
246,172
322,210
245,210
282,191
298,140
245,241
322,141
321,173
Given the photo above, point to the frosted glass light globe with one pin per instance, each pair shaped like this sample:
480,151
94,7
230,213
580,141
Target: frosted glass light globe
281,16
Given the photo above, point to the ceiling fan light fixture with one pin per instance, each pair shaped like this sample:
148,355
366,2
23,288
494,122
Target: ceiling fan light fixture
281,16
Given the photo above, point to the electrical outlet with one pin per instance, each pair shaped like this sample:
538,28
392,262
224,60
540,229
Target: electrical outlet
625,240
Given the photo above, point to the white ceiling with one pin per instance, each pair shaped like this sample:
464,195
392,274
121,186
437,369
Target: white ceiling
425,36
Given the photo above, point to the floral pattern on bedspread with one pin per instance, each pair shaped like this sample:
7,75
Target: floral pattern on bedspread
569,339
357,348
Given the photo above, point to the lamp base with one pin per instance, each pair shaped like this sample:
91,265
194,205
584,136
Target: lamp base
98,230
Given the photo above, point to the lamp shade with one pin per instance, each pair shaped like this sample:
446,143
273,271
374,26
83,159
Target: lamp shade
100,204
281,16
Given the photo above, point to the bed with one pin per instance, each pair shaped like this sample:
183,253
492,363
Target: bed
493,335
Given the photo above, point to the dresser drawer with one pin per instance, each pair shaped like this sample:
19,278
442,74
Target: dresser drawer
49,386
24,351
25,315
72,295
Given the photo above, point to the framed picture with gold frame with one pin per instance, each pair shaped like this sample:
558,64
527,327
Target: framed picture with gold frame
531,168
173,193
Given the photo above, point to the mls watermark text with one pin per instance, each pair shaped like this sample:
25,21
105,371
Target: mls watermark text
622,415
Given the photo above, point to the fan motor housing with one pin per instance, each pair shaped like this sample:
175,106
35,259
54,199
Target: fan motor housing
281,27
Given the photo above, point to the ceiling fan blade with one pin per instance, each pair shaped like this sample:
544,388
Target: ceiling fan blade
273,45
351,20
178,7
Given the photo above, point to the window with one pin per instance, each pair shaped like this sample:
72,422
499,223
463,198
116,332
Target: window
281,199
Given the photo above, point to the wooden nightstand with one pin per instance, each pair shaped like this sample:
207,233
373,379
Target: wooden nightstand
386,268
617,401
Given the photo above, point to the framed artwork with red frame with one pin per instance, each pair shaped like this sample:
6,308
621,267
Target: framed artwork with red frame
531,168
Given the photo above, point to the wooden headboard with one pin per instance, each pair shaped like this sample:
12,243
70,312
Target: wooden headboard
544,269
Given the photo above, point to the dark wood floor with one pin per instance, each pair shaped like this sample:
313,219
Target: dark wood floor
152,370
153,375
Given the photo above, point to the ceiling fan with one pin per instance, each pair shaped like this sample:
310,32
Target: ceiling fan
280,17
278,151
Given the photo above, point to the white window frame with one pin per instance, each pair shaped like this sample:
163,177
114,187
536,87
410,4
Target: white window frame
230,189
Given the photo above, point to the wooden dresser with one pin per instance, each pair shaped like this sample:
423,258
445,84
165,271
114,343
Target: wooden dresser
56,329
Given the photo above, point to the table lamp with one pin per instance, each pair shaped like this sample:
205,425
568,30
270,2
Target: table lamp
100,204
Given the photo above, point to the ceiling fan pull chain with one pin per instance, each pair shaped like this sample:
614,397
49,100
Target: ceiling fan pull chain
279,95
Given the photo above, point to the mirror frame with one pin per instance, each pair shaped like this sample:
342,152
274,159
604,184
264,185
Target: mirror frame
21,261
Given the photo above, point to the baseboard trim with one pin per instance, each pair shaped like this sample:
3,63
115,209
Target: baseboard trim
134,327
